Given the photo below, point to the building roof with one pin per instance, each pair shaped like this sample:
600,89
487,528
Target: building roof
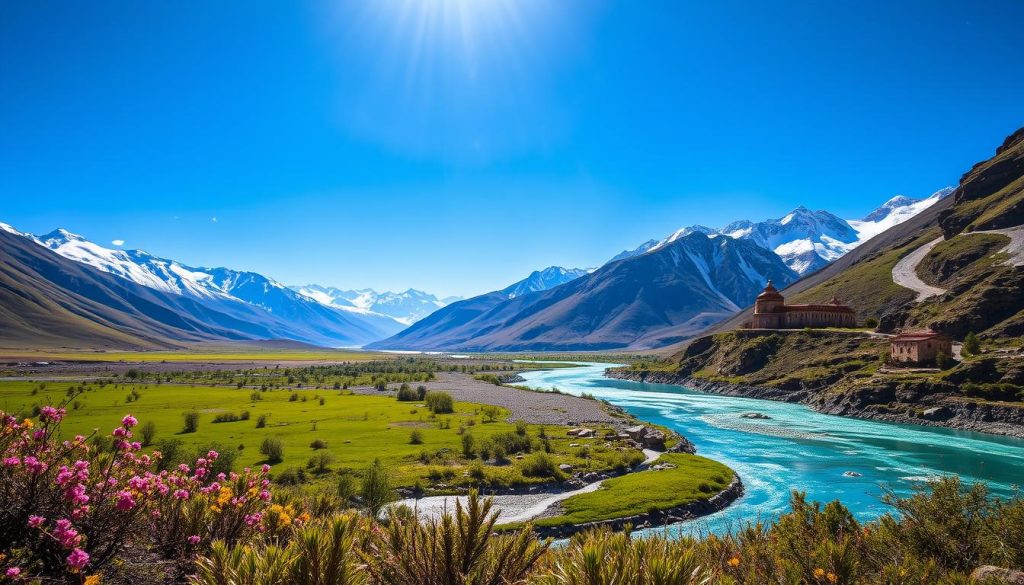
919,336
770,293
827,307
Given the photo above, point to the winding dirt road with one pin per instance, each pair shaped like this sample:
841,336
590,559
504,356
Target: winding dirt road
905,272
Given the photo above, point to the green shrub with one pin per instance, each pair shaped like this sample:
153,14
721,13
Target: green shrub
147,432
273,449
468,445
440,402
318,444
261,421
416,437
541,465
191,421
407,394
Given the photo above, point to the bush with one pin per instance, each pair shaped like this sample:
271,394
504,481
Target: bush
971,345
522,428
261,421
468,445
273,449
440,402
421,392
871,322
406,394
318,444
376,490
191,421
346,486
320,463
490,413
416,437
541,465
226,417
148,432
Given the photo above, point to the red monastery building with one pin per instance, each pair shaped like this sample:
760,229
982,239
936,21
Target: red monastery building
772,312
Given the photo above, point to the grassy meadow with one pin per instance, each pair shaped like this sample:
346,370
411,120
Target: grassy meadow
693,478
419,448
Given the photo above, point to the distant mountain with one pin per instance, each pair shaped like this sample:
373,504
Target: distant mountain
276,311
807,240
47,300
647,301
540,280
405,307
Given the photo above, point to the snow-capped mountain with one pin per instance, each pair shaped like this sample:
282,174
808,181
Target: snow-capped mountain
807,240
405,307
647,301
894,212
545,279
246,295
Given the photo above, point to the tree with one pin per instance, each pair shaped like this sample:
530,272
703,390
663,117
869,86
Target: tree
376,490
871,322
971,344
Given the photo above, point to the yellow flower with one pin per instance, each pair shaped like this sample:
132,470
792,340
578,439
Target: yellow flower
832,577
819,573
224,496
215,509
303,517
734,561
92,580
27,423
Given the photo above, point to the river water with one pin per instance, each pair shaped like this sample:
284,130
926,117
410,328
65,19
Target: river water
829,457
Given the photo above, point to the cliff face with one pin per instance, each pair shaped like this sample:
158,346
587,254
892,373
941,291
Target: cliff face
991,194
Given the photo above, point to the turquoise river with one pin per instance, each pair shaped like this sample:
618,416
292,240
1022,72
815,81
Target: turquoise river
829,457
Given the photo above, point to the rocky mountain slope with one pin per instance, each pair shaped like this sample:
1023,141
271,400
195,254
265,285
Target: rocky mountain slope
647,301
47,300
257,306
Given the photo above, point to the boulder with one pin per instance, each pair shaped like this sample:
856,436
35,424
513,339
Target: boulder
987,573
565,467
756,415
937,413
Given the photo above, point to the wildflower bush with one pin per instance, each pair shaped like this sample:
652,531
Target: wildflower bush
69,508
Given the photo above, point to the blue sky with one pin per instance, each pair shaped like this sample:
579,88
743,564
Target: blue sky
456,145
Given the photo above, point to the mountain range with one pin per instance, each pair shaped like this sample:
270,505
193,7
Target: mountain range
656,294
807,240
405,307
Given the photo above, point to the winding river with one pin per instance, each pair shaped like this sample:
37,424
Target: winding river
828,457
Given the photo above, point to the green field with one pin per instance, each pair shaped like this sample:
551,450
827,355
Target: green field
356,429
693,479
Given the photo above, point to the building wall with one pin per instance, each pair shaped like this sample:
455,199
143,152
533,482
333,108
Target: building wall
925,351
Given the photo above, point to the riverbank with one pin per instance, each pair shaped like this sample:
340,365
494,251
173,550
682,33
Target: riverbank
880,403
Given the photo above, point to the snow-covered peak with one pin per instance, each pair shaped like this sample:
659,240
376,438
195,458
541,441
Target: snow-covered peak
894,212
545,279
406,307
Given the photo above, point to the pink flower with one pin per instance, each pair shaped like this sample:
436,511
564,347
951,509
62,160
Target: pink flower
194,539
66,535
129,421
51,414
181,494
78,559
266,468
12,572
125,501
34,465
121,432
265,496
36,521
212,455
12,461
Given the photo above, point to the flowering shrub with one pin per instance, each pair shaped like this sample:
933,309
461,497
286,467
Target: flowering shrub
67,507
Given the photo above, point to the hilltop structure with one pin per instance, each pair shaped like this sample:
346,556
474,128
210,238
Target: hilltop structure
772,312
919,347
